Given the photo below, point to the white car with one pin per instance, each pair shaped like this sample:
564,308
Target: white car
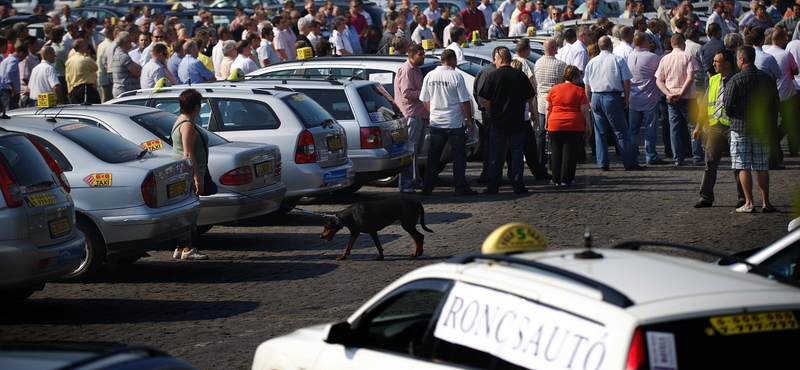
560,309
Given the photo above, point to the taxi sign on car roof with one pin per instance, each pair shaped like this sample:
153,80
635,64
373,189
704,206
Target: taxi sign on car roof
514,238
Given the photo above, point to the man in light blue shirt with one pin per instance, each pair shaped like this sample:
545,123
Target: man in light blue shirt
607,77
9,76
764,62
191,70
716,17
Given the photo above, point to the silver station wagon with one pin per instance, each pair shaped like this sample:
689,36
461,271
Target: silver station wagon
38,238
248,174
127,200
313,145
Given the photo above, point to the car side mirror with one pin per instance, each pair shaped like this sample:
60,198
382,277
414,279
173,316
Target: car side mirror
339,333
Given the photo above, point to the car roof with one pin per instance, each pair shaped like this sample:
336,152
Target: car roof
648,285
298,81
207,88
130,110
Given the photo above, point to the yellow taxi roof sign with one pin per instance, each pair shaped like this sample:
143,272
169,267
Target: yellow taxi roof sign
514,238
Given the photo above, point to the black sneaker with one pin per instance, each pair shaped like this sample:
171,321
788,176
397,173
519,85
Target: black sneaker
467,193
703,204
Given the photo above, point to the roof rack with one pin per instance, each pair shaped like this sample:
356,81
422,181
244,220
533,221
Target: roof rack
331,79
610,295
636,245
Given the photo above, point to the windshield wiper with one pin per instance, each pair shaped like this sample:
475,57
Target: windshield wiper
142,154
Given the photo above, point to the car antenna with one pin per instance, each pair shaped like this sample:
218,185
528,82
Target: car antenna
588,254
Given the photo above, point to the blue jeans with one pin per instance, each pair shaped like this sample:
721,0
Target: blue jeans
540,140
606,111
678,120
415,135
439,138
498,138
698,156
650,121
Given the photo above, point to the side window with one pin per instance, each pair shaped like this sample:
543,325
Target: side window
173,106
284,73
401,321
347,72
139,102
54,152
238,115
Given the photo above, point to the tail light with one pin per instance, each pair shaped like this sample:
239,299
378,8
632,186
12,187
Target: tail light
278,168
9,187
240,176
371,138
636,355
51,162
149,192
305,153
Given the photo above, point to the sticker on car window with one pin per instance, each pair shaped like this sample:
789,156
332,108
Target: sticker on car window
376,117
299,97
520,331
152,145
40,199
383,78
72,126
753,323
662,351
98,179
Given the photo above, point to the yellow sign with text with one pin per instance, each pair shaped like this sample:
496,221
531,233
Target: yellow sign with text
98,179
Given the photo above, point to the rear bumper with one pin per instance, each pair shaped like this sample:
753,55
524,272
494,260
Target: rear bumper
228,207
24,266
373,164
311,180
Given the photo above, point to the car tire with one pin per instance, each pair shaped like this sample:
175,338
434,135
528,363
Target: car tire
94,252
14,297
287,205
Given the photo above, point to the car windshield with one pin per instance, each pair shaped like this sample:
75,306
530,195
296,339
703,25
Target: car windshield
161,123
380,105
106,146
310,113
25,162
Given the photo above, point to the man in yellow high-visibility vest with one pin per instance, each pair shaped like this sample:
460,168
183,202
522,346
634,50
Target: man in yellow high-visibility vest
717,128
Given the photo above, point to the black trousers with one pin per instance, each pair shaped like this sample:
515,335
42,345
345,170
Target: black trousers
85,92
529,149
565,148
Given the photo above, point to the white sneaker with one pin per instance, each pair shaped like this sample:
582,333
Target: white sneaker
193,255
176,255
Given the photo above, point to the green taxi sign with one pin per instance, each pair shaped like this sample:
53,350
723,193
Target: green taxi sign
514,238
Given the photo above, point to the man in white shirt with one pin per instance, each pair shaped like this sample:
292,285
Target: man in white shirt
265,51
284,38
624,47
459,35
156,67
506,8
44,78
444,93
521,27
243,60
223,33
340,44
577,55
422,32
432,12
788,106
487,10
136,53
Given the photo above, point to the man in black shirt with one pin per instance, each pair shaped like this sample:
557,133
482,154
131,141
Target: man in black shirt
751,102
505,93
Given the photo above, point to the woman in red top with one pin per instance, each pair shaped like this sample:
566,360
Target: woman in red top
567,117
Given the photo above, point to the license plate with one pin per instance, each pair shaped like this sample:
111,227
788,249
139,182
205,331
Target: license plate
263,168
176,189
59,227
335,143
405,160
398,135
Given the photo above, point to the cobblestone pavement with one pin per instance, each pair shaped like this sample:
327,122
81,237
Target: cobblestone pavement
268,279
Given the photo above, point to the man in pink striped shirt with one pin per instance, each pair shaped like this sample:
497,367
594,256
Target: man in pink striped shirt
675,78
407,86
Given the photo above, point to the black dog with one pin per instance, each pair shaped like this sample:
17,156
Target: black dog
370,217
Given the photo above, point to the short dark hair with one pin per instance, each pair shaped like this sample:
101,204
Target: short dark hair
504,54
727,56
241,45
691,32
189,100
447,54
714,29
747,53
456,32
523,45
415,49
755,37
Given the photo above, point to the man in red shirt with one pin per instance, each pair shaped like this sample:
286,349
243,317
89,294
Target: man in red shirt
358,21
473,19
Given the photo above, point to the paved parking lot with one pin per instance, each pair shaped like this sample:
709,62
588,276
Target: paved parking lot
266,280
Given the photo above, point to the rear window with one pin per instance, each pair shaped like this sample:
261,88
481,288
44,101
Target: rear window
333,101
380,105
27,165
766,340
108,147
307,110
161,123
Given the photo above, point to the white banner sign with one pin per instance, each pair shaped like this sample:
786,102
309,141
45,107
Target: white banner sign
383,78
519,331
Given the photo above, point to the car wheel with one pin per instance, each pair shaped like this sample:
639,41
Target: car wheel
348,190
94,252
287,205
15,296
203,229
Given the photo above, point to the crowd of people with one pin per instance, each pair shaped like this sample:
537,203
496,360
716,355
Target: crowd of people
735,93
